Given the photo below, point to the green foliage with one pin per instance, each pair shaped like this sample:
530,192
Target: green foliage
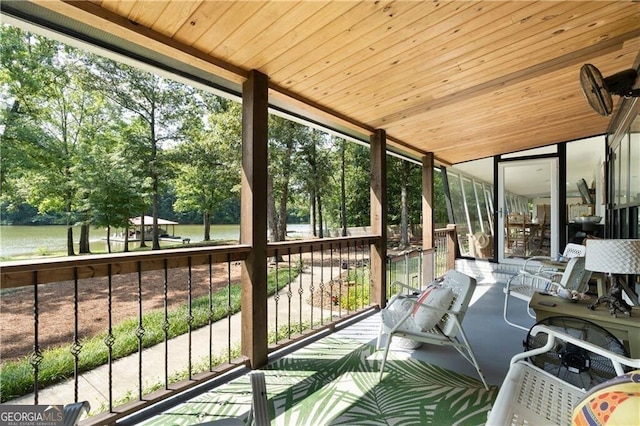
43,251
90,140
356,290
208,163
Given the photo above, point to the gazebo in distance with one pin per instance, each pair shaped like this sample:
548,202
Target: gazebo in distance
137,223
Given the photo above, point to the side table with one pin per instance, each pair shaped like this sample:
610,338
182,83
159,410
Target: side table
625,328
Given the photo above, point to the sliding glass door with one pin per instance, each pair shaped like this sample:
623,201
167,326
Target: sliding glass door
527,209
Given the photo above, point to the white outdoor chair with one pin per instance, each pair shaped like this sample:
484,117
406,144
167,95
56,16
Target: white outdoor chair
259,414
522,286
397,320
74,411
532,396
571,250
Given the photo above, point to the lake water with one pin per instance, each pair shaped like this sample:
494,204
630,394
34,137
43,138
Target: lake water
33,240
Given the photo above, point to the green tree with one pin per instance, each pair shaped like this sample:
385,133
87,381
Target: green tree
358,181
284,139
314,171
160,107
115,193
208,162
42,76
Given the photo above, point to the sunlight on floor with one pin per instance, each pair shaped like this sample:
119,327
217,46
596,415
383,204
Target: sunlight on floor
479,292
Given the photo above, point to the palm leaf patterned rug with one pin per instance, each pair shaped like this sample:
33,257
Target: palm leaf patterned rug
334,381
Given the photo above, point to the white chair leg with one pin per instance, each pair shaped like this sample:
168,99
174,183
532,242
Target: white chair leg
380,333
259,408
384,358
472,357
506,306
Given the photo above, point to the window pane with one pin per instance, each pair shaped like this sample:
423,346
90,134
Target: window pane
472,206
634,164
457,203
624,171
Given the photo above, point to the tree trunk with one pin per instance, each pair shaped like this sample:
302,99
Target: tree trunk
271,211
143,237
404,215
206,219
126,239
321,230
154,175
156,239
84,239
70,251
282,215
271,217
312,200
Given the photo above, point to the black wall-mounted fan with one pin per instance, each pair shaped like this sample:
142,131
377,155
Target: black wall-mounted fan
598,90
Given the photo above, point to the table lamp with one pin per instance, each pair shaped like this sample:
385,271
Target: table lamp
614,257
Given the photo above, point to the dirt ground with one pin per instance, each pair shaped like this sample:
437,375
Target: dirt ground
55,305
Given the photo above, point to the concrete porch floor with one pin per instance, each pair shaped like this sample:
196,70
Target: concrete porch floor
493,341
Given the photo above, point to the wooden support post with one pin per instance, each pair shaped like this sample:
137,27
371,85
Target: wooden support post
379,216
428,229
253,220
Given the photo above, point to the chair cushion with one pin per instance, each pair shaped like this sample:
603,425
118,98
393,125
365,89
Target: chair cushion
391,317
614,402
435,296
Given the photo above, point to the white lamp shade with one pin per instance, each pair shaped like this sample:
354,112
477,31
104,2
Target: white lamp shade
613,256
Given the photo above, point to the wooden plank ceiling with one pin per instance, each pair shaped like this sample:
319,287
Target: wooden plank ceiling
462,79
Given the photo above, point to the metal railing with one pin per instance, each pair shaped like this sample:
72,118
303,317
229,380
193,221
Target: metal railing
188,294
182,302
408,267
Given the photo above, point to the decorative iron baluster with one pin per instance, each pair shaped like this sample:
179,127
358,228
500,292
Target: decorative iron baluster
36,357
368,265
289,294
366,277
165,323
331,283
358,304
276,296
76,347
210,315
300,269
348,281
229,307
189,318
321,284
109,339
311,288
140,330
340,280
360,278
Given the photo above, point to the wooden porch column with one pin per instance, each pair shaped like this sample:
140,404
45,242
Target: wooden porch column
379,216
428,266
253,218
